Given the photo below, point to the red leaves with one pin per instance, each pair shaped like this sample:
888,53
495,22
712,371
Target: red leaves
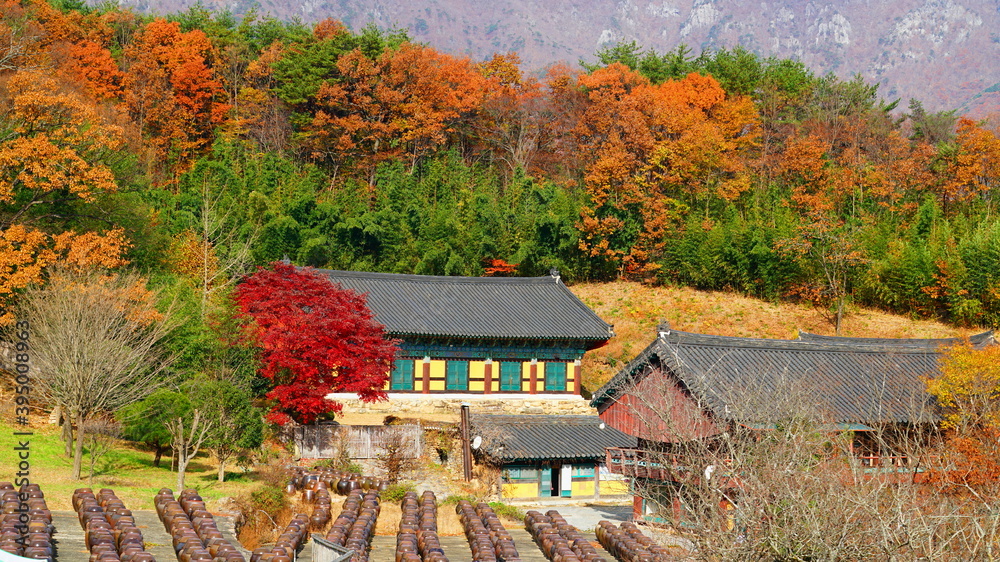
315,339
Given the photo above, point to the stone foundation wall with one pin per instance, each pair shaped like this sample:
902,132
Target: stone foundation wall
401,406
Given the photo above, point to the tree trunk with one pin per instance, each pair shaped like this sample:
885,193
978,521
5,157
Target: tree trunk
67,435
158,455
78,454
222,469
93,459
182,464
840,315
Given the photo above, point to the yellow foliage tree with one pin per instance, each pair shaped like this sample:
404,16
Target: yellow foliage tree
968,388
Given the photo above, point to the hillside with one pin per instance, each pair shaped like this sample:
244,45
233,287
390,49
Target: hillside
942,52
635,310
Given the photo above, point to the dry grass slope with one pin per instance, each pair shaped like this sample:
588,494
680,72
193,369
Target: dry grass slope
635,310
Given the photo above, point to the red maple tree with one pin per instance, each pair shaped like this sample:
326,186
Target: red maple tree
314,338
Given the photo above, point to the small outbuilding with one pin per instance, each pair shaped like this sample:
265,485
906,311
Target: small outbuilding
549,456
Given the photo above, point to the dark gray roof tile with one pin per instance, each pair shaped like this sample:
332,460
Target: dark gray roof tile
476,307
537,437
742,379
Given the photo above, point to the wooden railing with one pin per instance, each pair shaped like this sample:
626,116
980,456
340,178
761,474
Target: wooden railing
639,463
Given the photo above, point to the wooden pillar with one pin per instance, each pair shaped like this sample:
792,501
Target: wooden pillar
533,377
577,383
636,507
597,480
488,377
427,376
466,448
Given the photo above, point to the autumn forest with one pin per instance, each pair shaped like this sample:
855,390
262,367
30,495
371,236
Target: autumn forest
195,146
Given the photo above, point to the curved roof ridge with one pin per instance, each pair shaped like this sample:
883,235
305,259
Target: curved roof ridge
416,278
677,337
978,340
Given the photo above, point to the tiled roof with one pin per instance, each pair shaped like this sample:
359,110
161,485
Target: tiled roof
743,379
476,307
537,437
977,340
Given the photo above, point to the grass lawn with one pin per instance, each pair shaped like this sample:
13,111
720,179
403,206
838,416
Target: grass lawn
128,470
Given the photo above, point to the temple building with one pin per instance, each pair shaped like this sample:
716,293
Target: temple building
687,388
490,340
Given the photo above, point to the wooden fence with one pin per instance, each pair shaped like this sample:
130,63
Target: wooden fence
361,441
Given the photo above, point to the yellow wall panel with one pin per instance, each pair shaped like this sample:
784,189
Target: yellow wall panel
585,488
437,368
614,487
477,370
388,384
540,375
476,386
529,490
526,376
437,385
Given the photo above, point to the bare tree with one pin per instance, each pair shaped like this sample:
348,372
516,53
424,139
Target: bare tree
187,439
96,343
394,459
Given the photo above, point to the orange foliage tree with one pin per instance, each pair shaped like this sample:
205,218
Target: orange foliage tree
53,158
651,147
171,91
512,121
405,104
973,165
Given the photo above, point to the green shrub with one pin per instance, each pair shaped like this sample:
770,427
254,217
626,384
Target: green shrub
269,499
507,511
395,492
455,498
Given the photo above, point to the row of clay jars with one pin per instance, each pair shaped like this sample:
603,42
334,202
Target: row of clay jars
582,547
336,480
107,539
428,542
548,538
476,533
288,544
629,543
406,537
38,528
341,527
208,531
187,545
503,543
131,545
322,504
360,537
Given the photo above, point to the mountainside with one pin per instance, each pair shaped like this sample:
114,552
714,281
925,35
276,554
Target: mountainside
943,52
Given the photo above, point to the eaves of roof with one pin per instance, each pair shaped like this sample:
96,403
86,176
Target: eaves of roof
527,308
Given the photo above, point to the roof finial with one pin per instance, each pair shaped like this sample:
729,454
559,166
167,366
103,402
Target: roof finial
285,260
663,328
554,273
